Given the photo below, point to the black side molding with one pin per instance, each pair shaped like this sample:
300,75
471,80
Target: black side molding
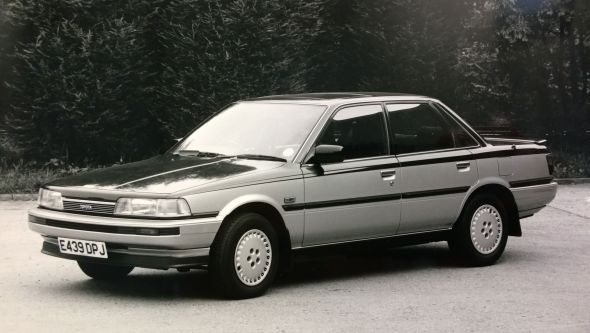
476,156
531,182
342,202
205,215
378,198
420,194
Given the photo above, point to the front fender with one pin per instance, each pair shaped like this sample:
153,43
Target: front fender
246,199
293,221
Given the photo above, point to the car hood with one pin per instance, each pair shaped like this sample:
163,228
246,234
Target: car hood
164,174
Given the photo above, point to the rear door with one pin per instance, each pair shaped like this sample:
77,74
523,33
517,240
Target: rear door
358,198
437,168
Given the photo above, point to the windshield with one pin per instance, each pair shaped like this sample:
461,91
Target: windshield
254,129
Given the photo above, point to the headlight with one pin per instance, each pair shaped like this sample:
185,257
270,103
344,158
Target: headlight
152,207
50,199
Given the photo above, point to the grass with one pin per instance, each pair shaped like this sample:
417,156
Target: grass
571,165
21,179
24,181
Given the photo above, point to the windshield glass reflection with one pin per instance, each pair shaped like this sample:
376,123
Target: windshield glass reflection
255,129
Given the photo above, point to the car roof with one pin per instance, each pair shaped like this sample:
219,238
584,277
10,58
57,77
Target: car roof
329,98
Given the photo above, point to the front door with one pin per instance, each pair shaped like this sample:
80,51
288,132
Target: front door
358,198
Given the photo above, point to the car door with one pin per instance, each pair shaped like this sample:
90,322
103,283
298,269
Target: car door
437,169
358,198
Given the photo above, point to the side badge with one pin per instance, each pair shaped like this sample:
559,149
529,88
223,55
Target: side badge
289,200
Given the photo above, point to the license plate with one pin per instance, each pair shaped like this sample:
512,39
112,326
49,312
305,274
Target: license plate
82,247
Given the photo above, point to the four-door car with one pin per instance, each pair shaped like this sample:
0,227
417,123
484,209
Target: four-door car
266,177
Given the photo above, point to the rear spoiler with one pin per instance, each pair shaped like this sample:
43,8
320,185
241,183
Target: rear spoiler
507,141
498,135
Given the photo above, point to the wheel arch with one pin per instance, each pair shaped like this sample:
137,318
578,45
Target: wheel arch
502,191
270,212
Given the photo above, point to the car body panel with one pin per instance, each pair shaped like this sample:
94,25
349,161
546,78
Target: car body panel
531,199
164,174
272,193
434,188
350,200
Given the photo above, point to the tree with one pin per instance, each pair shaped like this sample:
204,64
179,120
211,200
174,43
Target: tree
217,52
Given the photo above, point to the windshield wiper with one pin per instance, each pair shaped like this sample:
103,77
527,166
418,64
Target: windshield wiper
261,157
197,153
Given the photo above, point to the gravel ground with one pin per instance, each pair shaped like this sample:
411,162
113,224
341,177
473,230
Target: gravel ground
542,283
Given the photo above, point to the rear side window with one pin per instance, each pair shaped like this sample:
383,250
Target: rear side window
360,130
417,127
460,136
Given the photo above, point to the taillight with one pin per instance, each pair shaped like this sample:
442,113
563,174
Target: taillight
550,163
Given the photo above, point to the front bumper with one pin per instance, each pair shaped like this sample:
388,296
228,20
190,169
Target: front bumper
136,257
172,244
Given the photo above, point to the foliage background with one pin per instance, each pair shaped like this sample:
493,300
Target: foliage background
94,82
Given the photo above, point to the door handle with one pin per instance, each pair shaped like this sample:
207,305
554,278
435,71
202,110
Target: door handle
388,175
463,166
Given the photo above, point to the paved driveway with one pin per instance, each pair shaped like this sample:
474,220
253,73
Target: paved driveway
542,283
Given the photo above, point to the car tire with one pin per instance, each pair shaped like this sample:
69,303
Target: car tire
245,256
99,271
479,237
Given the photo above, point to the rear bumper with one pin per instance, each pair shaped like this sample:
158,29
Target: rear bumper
131,242
531,199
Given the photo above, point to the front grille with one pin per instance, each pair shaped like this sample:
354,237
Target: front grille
88,206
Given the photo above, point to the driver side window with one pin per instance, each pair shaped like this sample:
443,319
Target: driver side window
360,130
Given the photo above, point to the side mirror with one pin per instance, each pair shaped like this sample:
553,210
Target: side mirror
327,154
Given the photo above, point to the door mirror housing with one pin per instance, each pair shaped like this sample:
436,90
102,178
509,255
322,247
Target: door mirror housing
324,154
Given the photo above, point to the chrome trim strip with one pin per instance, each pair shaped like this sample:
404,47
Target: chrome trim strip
109,203
118,220
446,150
